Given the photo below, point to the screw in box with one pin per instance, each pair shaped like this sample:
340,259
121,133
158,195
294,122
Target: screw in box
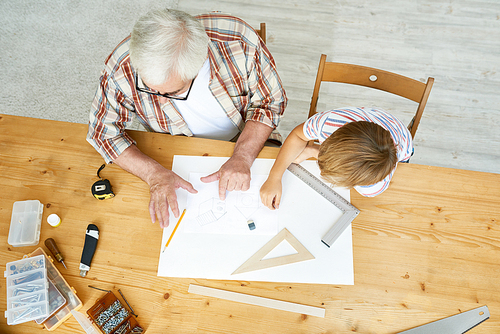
26,313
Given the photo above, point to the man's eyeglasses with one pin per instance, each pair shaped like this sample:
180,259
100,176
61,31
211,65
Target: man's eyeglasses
146,89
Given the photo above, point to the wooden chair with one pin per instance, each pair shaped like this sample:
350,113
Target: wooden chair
262,31
370,77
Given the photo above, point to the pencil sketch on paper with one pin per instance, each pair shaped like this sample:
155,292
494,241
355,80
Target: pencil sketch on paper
206,213
210,211
248,203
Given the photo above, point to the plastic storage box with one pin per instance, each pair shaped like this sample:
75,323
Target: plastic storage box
27,290
25,223
56,302
72,302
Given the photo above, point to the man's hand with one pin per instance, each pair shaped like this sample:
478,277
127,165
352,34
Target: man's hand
270,193
233,175
162,195
162,183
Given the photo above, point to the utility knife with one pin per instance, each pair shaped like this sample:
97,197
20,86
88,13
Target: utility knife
91,237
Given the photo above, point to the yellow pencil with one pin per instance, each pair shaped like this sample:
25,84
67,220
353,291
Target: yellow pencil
175,229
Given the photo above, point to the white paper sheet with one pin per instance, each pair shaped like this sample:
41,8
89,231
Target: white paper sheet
306,214
206,213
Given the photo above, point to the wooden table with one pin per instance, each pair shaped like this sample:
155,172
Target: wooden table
427,248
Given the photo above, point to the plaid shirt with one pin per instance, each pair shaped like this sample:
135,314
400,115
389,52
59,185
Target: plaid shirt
243,80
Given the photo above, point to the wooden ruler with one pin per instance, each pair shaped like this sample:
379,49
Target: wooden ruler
349,211
255,300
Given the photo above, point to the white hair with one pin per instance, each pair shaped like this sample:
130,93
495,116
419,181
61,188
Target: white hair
167,42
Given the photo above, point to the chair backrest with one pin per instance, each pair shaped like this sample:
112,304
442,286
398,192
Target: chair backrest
374,78
262,31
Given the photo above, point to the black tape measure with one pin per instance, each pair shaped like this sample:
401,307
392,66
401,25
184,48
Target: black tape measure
102,188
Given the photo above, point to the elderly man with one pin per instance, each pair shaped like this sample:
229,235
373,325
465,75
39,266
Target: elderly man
209,76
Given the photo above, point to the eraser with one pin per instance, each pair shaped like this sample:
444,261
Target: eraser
251,225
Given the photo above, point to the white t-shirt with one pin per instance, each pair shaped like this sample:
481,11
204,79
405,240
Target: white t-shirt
202,113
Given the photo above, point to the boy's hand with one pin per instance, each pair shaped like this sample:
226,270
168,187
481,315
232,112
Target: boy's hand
270,193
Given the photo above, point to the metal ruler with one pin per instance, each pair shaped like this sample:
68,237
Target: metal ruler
456,324
349,211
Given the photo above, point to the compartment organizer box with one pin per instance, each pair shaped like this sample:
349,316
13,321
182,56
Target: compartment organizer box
25,223
27,290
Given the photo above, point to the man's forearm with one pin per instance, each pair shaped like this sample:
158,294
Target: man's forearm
251,141
135,162
162,183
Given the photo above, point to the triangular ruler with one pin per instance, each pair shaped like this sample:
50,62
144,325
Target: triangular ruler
256,262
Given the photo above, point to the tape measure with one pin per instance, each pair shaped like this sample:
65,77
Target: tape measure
349,211
102,188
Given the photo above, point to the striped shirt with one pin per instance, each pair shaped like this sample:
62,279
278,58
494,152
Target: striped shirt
243,79
321,125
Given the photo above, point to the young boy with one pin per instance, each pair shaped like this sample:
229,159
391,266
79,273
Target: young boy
360,148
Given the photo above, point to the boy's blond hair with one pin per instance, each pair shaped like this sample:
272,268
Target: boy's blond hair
357,154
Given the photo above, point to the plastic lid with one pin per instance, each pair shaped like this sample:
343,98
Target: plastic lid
84,322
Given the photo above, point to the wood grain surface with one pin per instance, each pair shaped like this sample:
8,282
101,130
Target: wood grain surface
427,248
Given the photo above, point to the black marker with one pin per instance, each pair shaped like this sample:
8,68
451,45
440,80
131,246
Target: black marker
91,237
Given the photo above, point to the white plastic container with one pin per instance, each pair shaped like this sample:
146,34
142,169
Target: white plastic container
27,290
56,302
25,223
54,220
